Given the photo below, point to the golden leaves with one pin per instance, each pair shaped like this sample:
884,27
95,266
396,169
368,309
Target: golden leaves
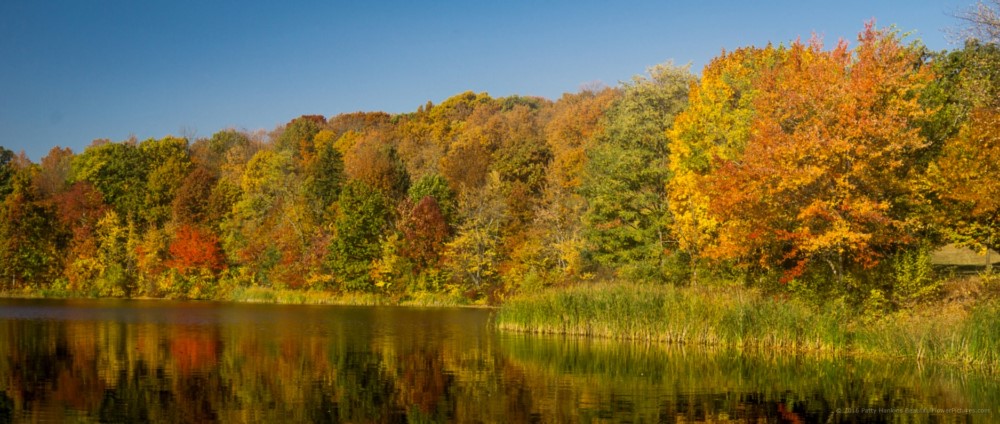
798,158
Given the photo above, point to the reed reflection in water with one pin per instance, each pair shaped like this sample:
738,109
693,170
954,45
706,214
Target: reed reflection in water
161,361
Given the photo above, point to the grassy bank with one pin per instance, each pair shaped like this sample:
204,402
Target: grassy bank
315,297
741,318
256,294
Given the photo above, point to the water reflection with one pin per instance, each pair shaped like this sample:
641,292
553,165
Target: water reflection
121,361
595,379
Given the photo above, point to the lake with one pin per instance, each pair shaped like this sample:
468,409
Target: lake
174,361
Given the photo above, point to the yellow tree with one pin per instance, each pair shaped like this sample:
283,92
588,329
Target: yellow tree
967,179
714,127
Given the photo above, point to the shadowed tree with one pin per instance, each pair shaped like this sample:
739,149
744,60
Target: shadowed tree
6,171
324,178
576,119
267,229
191,202
30,240
79,209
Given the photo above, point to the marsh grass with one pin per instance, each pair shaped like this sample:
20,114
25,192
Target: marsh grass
427,299
259,294
736,317
966,336
256,294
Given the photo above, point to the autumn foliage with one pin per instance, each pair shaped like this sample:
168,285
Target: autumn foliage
424,233
795,163
194,249
817,170
966,177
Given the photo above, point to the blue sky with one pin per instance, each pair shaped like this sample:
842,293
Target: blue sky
77,70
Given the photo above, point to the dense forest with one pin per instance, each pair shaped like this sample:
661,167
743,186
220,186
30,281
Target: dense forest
825,172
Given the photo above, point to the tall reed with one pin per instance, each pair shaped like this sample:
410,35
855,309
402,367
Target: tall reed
747,319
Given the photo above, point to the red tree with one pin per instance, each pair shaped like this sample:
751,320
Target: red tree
424,233
193,249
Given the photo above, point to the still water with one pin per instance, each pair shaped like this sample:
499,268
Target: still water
164,361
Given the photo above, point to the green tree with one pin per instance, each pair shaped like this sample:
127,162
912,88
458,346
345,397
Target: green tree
6,171
362,219
324,177
118,171
625,178
167,164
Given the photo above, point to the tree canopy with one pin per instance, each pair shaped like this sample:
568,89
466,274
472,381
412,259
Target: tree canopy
786,163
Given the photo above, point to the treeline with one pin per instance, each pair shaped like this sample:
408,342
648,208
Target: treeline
820,168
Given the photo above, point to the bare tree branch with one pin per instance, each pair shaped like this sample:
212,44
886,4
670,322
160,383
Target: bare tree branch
982,21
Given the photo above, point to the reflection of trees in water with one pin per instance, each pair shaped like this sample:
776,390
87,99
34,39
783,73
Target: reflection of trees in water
140,372
137,372
603,379
423,382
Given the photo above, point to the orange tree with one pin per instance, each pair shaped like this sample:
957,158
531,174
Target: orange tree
818,173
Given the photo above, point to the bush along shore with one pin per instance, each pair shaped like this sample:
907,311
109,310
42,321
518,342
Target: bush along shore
958,331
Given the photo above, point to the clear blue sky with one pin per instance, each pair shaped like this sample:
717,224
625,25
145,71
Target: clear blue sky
77,70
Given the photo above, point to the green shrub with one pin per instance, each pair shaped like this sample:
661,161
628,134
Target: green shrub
913,279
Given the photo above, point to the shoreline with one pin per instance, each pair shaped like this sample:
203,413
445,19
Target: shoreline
963,334
960,334
261,295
